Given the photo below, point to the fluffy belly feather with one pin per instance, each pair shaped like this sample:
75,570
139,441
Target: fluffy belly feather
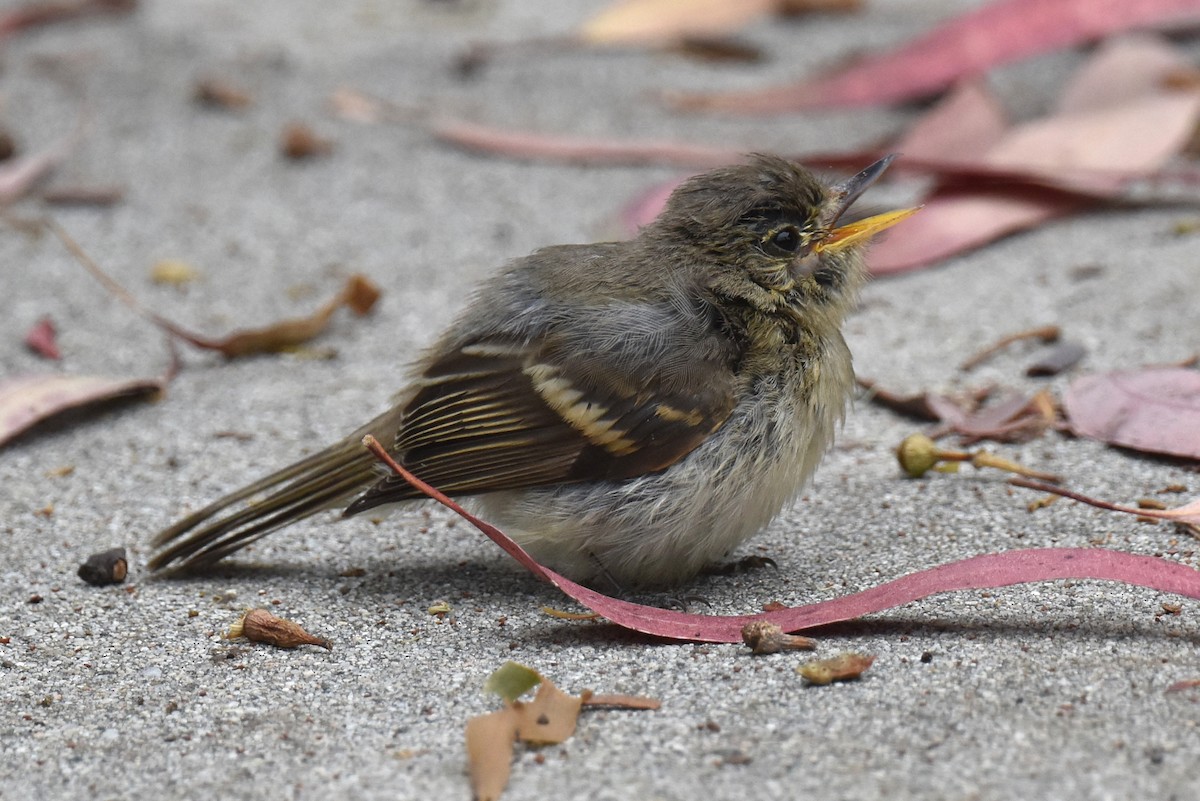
662,528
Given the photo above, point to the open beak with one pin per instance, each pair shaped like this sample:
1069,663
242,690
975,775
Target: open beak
843,195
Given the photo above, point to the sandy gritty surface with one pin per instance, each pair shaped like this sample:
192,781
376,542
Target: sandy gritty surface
1045,691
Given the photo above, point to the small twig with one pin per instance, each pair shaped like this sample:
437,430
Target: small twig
619,701
1187,516
121,293
1046,333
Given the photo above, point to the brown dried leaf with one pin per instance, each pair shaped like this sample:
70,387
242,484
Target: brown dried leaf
359,293
719,50
843,667
917,406
549,718
83,195
299,142
259,625
221,93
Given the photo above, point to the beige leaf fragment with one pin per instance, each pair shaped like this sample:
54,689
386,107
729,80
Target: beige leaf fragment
656,22
490,741
548,719
843,667
174,272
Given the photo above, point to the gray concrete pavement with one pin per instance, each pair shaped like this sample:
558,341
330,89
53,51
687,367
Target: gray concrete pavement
1046,691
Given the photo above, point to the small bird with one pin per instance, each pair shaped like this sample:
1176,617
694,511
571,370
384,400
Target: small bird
629,412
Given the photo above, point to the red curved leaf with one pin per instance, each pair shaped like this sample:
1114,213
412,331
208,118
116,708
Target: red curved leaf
991,570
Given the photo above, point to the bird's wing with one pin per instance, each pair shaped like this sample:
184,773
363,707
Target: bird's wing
505,413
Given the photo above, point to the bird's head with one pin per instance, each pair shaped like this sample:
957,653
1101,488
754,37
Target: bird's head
770,234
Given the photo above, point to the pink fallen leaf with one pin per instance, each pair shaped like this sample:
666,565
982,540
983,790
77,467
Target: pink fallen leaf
529,145
1154,409
1016,418
1092,150
953,221
42,339
19,176
963,125
979,572
35,14
1122,69
1134,136
27,400
966,46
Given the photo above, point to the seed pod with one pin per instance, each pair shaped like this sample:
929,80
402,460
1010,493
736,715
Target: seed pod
106,567
259,625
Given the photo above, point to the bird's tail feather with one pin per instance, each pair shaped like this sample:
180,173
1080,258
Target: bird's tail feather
317,482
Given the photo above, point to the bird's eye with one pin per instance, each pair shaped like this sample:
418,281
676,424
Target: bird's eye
784,242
